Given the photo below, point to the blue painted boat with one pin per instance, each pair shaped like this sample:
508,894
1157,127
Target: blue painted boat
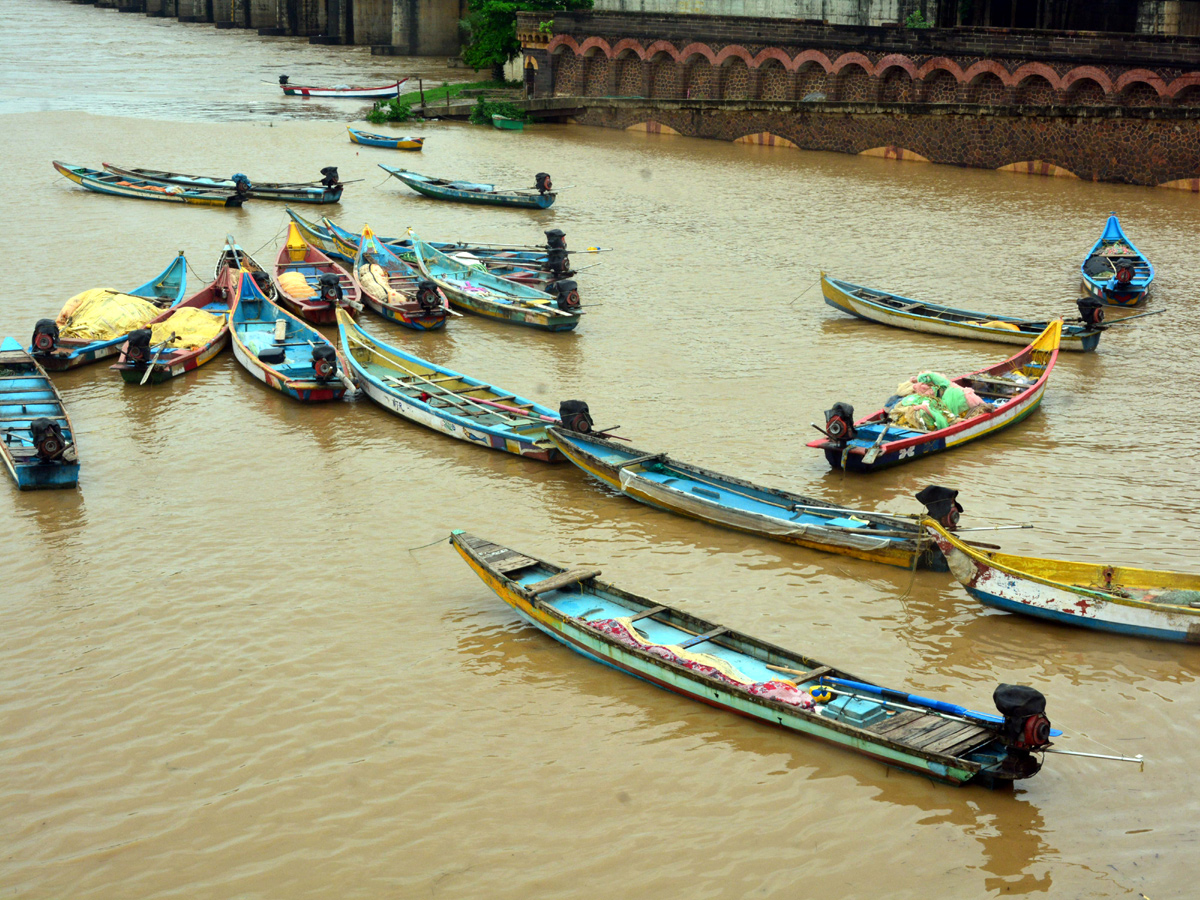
382,140
329,191
439,398
539,197
734,671
37,442
140,189
394,289
281,351
56,354
1115,271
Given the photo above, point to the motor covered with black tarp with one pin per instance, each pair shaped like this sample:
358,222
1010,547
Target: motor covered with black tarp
839,423
330,177
324,360
941,504
575,416
137,348
1024,709
45,336
48,440
542,181
330,287
556,239
1091,311
557,263
428,296
283,80
566,294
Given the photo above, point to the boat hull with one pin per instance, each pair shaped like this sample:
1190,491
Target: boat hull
351,93
1112,249
132,374
26,395
387,143
145,192
304,391
483,198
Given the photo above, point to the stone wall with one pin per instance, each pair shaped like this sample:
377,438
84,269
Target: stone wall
835,12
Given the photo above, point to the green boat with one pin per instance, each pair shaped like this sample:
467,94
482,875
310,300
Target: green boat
504,123
540,196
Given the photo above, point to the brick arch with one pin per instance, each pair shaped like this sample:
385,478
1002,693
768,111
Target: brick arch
562,40
941,62
1096,75
595,42
686,54
1183,81
628,44
662,47
1143,75
988,65
852,58
893,60
736,50
1036,68
807,56
1033,88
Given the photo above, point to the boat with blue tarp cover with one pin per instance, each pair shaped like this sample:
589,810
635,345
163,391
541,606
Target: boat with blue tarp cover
1115,271
538,197
730,670
37,442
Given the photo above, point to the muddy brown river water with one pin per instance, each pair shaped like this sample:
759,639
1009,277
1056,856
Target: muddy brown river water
225,673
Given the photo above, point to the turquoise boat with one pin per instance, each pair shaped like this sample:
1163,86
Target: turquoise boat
1116,272
118,186
504,123
729,670
37,442
57,354
538,197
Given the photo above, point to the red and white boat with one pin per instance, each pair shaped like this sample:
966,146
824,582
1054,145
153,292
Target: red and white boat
353,92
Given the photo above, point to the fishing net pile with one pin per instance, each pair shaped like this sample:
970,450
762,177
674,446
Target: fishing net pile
296,285
930,401
374,280
192,328
102,315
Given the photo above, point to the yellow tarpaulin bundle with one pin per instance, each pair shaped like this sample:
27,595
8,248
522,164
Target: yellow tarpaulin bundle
296,286
102,314
192,328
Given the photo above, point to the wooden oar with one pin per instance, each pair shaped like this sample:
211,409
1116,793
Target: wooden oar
154,361
1124,319
872,453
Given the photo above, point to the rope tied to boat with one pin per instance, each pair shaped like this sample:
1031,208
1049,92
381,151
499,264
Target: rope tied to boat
430,544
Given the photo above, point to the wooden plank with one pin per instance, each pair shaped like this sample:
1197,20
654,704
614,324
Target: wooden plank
701,638
912,733
561,580
948,727
516,562
29,416
969,743
964,735
641,460
646,613
894,722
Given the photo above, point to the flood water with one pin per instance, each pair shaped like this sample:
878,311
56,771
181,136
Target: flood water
232,669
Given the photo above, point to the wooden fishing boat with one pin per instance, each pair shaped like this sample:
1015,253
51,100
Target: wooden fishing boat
930,318
540,197
445,400
382,140
37,442
473,289
56,353
730,670
315,192
119,186
660,481
345,91
504,123
1115,271
233,255
394,289
1011,390
1118,599
309,283
281,351
170,346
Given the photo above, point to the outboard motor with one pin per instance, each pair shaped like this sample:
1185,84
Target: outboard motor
1024,709
558,263
283,80
48,439
941,504
1124,273
567,294
542,181
45,335
331,177
324,360
241,184
330,287
574,416
1091,311
137,350
839,423
556,239
428,297
262,279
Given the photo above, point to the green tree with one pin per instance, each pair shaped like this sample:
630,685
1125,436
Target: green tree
491,30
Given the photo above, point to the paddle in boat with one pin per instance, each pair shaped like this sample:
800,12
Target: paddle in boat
382,140
454,404
1103,597
473,289
281,351
538,197
120,186
727,669
394,289
930,318
184,337
346,91
93,325
37,442
1115,271
327,190
310,284
660,481
931,413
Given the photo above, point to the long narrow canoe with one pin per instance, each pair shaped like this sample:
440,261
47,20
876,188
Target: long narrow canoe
930,318
660,481
444,400
394,289
309,283
119,186
1115,271
37,442
281,351
348,92
318,236
58,354
727,669
382,140
1011,390
1117,599
167,359
472,289
257,190
470,191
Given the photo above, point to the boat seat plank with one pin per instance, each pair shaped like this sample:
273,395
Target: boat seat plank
29,417
965,734
514,563
897,721
646,613
913,732
811,674
947,728
701,638
641,460
975,739
561,580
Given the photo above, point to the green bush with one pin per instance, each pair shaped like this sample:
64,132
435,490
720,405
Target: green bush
916,20
485,109
389,111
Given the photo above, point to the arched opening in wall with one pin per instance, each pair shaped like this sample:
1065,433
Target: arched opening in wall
664,76
855,83
566,71
531,70
629,73
1035,90
1086,92
896,86
595,69
1139,93
773,80
735,79
812,82
699,78
986,89
1189,96
940,86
